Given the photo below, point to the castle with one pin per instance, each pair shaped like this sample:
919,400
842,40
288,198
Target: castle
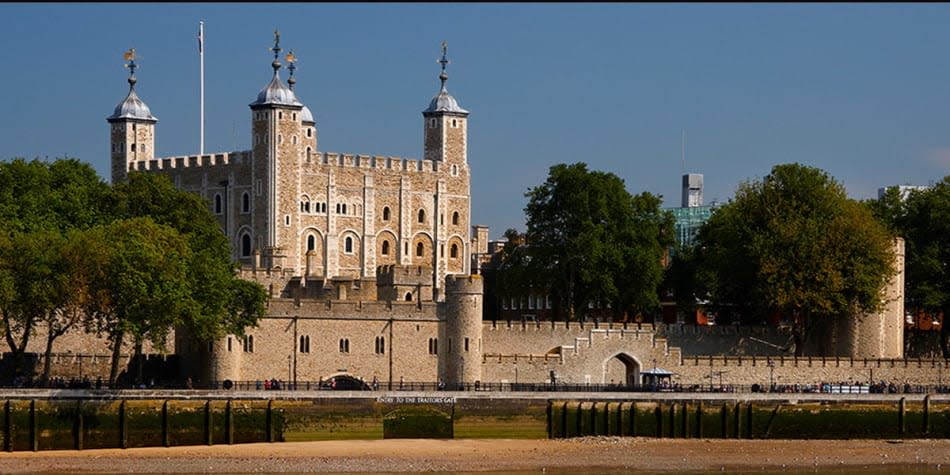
368,262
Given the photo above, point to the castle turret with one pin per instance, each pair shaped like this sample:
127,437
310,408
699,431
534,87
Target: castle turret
461,361
276,152
133,128
445,124
446,144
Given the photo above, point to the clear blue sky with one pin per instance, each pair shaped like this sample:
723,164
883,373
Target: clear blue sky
861,91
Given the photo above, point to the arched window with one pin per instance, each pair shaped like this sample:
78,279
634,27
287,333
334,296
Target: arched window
385,248
245,245
408,296
419,249
455,218
309,132
309,152
386,213
217,203
311,242
422,215
344,208
348,245
454,252
246,203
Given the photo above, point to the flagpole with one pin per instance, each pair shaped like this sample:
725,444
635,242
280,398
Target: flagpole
201,54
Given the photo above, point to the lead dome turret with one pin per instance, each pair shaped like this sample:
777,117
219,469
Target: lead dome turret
132,107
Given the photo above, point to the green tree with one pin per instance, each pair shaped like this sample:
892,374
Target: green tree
590,242
924,222
794,244
140,287
211,270
40,204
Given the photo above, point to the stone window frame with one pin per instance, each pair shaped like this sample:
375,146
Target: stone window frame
247,246
344,345
433,346
421,216
311,242
304,343
249,343
218,205
348,245
245,203
420,249
384,247
454,251
386,213
455,218
379,346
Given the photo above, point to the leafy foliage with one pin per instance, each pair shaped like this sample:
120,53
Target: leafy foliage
136,259
794,244
590,242
924,221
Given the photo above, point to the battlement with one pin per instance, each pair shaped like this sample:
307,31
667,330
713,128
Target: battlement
352,309
463,284
375,162
395,274
366,162
191,161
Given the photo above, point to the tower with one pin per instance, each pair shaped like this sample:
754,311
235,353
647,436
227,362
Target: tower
461,362
445,126
275,148
133,128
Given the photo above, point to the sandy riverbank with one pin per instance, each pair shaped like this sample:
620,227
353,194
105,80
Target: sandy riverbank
630,455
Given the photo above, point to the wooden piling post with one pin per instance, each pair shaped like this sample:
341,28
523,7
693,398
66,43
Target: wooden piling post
927,415
748,421
269,423
699,420
228,423
209,433
7,427
34,430
78,427
123,426
901,413
166,440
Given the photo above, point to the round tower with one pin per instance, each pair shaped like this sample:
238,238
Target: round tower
226,358
461,361
133,128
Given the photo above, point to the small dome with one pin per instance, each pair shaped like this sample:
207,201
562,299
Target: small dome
306,116
276,93
132,108
444,102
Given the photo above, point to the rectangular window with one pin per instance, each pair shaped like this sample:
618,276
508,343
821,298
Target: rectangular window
466,344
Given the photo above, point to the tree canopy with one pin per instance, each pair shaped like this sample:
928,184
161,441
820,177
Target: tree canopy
923,218
589,242
135,259
795,244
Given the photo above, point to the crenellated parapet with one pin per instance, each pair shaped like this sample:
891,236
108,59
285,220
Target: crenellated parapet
373,162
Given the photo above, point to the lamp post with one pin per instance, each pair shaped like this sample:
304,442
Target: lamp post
771,365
